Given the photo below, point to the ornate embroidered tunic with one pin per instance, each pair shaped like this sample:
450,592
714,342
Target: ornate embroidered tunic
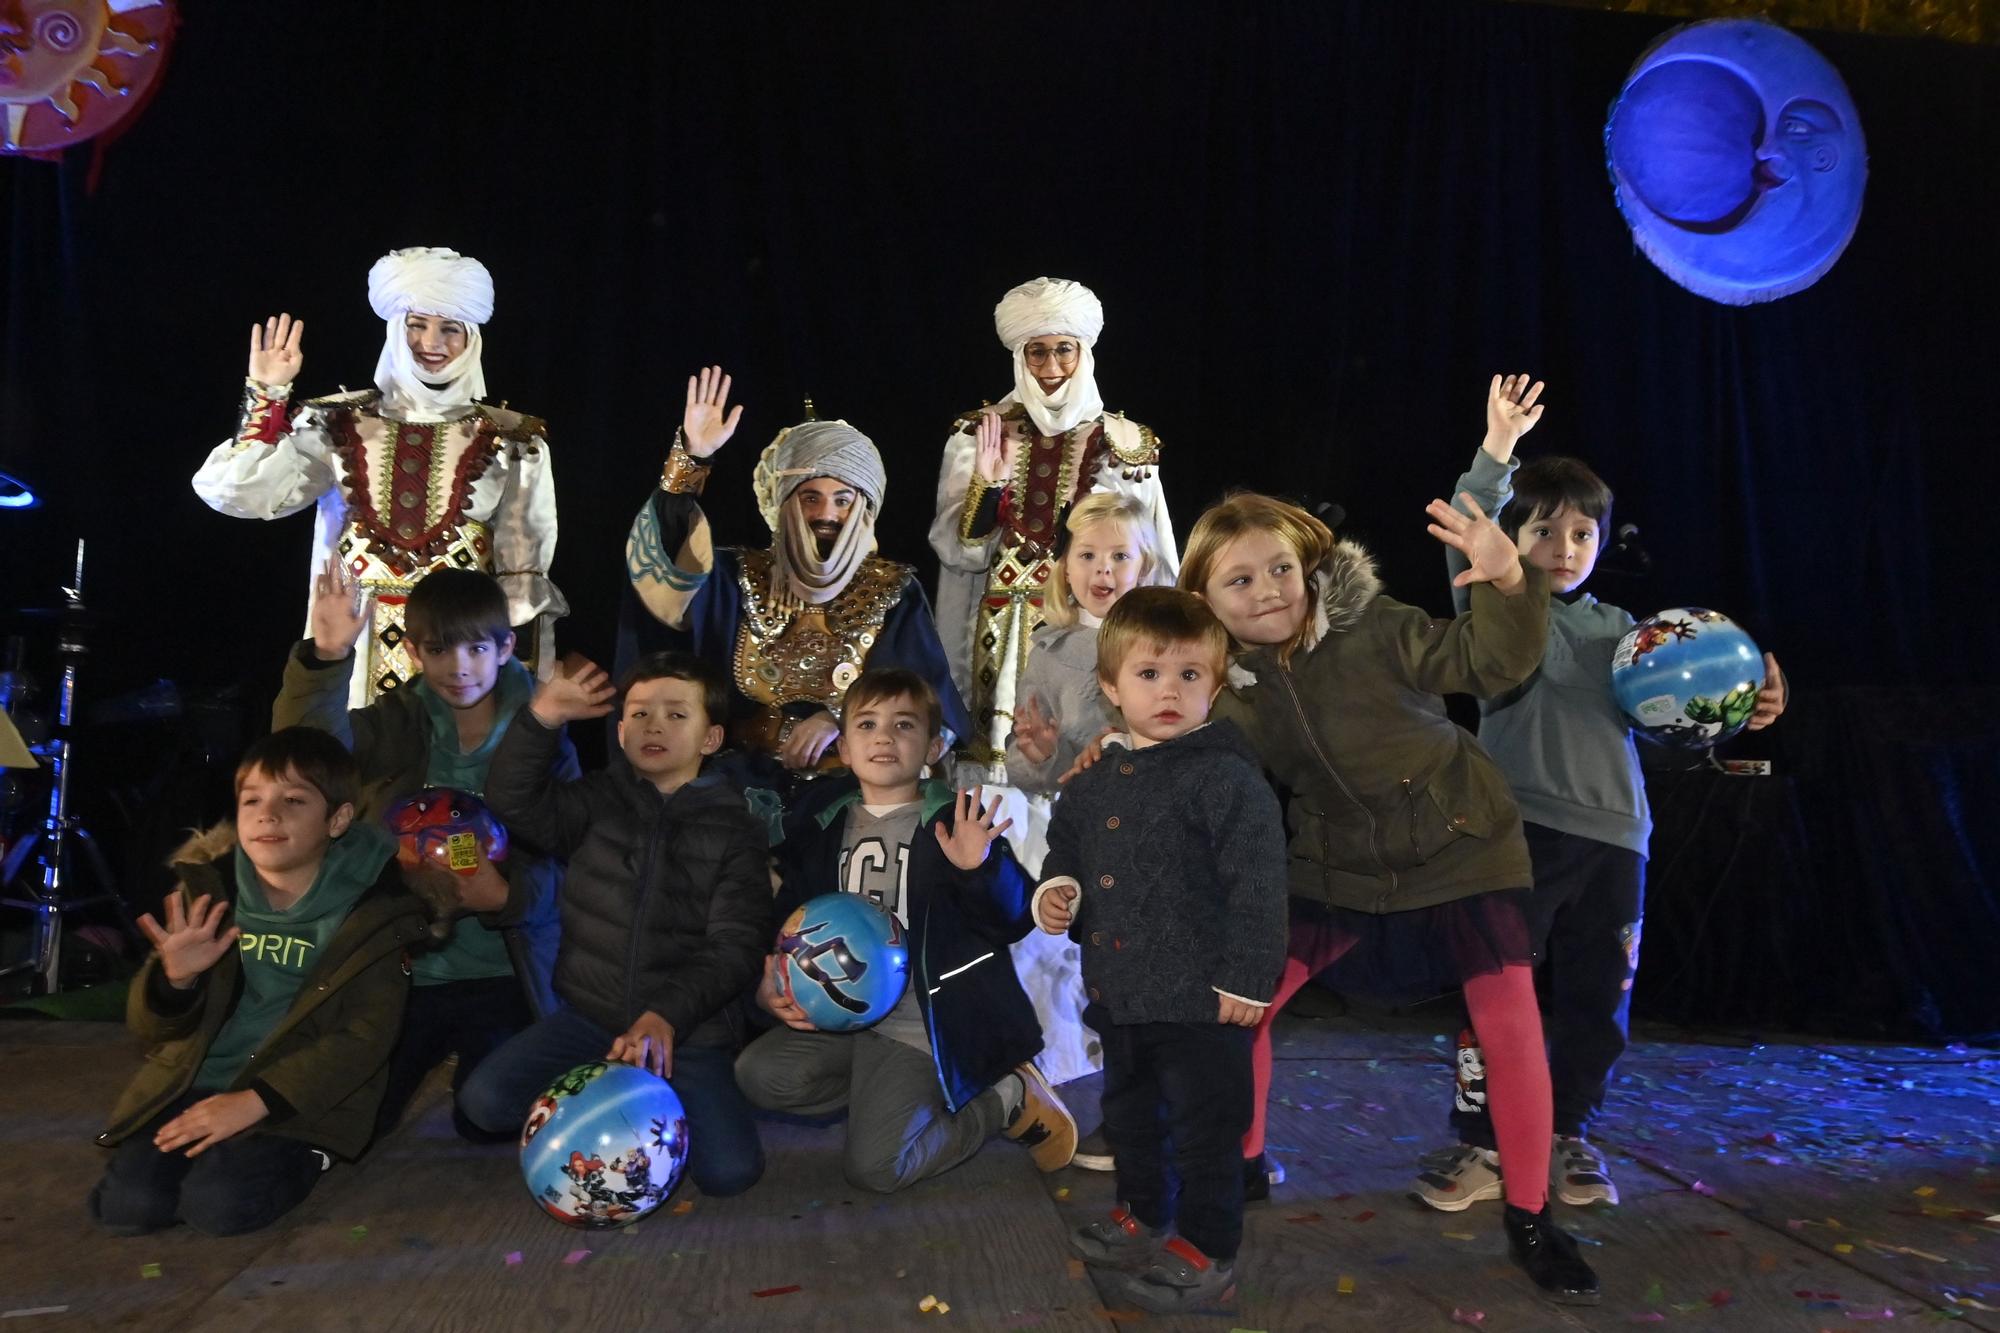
996,548
786,658
396,499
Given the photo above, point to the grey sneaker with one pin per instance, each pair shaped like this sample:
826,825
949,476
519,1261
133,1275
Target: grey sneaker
1180,1277
1120,1239
1581,1177
1454,1180
1093,1154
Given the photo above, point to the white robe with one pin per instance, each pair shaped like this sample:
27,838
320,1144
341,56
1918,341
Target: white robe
514,497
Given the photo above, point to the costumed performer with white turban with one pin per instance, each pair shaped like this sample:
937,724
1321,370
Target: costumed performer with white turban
1012,471
413,475
792,624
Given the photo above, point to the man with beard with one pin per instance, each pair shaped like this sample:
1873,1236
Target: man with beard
795,624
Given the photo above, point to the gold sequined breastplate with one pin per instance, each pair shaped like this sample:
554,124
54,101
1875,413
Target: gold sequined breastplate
790,651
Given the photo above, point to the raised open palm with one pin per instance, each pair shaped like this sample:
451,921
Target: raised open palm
1490,554
274,350
708,421
191,942
994,459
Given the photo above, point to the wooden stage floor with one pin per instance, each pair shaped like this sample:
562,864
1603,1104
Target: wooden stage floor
1765,1187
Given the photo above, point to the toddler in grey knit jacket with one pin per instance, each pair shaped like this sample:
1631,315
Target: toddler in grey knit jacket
1166,863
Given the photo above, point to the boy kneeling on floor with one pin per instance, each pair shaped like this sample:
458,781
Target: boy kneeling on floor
952,1064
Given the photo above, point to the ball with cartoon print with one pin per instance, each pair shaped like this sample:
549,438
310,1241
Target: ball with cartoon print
447,826
604,1145
1687,677
846,961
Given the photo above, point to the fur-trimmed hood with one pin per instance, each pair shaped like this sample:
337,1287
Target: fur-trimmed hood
204,845
1343,587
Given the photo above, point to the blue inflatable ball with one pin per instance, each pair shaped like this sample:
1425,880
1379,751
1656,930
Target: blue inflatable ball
604,1145
845,959
1687,677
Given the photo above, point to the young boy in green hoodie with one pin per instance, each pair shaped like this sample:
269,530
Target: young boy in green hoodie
489,976
270,1003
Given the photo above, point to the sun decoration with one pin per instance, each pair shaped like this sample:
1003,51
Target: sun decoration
72,69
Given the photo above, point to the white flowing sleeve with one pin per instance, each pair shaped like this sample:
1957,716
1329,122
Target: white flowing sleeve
524,533
248,478
1155,499
961,566
953,480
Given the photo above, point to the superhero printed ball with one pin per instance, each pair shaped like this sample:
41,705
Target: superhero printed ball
604,1145
845,961
446,826
1687,677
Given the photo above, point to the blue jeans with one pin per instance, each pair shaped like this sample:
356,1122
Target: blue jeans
724,1155
242,1184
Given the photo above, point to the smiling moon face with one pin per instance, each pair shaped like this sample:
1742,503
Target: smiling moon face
1738,160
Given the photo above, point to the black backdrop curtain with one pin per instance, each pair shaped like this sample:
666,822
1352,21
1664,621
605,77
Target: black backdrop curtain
1316,227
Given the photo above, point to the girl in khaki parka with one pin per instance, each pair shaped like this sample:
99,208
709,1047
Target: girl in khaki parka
1408,864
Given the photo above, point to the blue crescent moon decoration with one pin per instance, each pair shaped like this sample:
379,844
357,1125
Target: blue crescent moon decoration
1737,158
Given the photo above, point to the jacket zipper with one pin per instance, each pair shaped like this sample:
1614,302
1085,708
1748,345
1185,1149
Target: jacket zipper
645,900
1312,739
927,1003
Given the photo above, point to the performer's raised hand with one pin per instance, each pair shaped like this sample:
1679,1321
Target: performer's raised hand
339,611
972,830
1511,412
1035,731
995,446
1490,554
191,942
274,350
708,421
579,689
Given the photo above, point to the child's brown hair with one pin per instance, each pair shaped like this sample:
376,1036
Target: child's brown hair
453,606
879,683
1159,617
315,758
682,666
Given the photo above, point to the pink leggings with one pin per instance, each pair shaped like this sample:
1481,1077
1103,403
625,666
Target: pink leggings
1509,1024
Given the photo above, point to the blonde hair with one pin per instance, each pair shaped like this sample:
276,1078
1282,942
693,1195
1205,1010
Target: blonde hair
1240,514
1159,617
1059,605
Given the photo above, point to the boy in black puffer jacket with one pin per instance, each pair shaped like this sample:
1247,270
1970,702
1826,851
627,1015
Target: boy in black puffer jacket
952,1064
1167,864
666,909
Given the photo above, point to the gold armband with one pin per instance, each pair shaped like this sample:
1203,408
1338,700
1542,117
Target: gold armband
684,474
975,496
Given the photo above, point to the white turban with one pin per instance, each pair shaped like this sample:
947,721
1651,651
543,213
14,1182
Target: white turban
1041,308
1048,305
428,280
